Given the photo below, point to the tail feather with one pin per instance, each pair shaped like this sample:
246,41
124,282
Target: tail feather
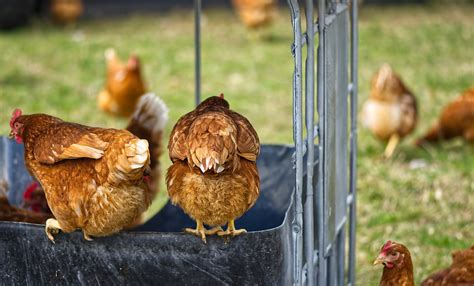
148,122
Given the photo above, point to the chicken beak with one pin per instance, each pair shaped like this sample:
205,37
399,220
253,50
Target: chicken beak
379,260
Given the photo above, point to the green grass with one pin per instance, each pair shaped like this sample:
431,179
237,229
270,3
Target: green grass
61,70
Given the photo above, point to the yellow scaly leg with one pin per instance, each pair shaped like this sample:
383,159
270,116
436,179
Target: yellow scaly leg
231,231
201,232
391,145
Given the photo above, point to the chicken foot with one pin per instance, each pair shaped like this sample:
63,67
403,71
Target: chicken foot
201,231
86,236
52,227
391,145
231,231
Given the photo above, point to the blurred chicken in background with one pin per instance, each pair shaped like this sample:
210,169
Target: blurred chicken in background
456,120
124,85
34,202
148,122
256,13
460,273
66,11
390,113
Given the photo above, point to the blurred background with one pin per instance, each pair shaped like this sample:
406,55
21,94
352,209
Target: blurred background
52,61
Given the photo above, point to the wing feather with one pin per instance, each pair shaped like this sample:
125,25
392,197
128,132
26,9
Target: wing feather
177,146
68,141
248,143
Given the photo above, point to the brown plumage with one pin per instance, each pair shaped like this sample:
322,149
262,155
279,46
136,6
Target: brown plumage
390,113
148,122
124,85
256,13
460,273
214,176
398,267
92,177
11,213
66,11
456,120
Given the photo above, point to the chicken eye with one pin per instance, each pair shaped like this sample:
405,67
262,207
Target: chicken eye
16,125
394,254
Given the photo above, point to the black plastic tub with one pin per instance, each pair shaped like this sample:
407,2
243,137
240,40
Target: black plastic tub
158,252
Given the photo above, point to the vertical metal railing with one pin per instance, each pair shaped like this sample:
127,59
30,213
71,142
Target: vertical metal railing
303,234
297,224
309,101
197,50
353,143
320,193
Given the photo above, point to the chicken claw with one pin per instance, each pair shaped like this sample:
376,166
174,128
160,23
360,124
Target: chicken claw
231,231
201,231
52,227
87,237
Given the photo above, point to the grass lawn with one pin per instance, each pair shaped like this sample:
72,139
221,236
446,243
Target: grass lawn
430,209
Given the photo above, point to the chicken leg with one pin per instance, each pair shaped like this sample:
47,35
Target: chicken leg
52,227
391,145
201,231
231,230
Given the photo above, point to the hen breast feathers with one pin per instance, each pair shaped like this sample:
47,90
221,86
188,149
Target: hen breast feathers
92,177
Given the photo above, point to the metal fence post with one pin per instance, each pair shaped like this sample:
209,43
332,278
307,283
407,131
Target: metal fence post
309,92
353,149
320,197
297,225
197,50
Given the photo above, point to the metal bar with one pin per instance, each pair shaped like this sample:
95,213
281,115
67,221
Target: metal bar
297,227
328,21
320,206
309,90
197,50
353,149
341,250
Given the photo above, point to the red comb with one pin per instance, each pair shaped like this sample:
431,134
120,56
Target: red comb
221,95
16,113
133,62
386,246
29,190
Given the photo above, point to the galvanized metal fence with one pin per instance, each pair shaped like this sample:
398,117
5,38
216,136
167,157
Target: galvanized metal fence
325,208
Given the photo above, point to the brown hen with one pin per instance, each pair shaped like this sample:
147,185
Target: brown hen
124,85
147,122
460,273
66,11
92,177
214,176
398,267
256,13
390,113
456,120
